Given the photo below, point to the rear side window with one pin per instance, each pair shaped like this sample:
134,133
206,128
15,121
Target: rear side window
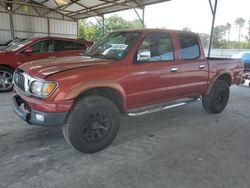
64,45
189,47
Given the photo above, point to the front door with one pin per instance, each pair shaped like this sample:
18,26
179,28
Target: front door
154,76
40,50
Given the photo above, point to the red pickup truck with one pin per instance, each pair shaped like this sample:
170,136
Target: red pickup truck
34,49
132,71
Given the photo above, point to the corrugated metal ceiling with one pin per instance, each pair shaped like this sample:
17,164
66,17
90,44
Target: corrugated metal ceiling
77,9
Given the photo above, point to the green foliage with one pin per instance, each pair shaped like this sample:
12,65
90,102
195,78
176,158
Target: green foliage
221,36
186,29
116,23
218,37
204,39
240,23
89,30
93,31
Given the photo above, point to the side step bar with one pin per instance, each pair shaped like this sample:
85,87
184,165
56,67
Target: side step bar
160,108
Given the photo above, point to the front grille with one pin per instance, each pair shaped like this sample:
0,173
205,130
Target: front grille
19,80
247,67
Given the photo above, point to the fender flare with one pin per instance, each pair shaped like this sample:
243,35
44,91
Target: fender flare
86,86
214,78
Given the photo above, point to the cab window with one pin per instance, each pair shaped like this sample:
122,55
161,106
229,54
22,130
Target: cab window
156,47
189,47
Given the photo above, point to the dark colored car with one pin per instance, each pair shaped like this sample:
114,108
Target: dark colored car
34,49
10,43
245,57
7,42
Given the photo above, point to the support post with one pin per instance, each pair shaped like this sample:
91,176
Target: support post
141,18
103,29
213,10
48,25
11,26
101,23
77,27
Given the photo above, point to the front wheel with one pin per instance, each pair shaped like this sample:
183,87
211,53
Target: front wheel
92,124
216,100
6,76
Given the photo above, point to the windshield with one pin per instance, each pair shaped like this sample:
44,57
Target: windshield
17,46
113,46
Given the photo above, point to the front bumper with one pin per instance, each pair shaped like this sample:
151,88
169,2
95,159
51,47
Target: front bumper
46,119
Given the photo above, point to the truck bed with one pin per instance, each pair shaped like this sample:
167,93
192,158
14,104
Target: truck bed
218,65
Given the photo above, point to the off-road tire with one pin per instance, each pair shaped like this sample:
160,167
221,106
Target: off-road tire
216,100
10,73
90,113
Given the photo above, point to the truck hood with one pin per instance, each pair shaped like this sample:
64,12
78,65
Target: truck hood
6,53
46,67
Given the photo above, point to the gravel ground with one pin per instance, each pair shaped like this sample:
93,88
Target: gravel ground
181,147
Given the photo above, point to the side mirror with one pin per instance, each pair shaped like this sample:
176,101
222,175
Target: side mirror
143,55
28,50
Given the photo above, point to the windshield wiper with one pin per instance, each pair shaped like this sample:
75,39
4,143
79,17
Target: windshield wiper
101,56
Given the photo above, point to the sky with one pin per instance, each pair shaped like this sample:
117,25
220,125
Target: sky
194,14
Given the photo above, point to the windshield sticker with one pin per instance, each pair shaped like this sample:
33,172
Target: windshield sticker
119,46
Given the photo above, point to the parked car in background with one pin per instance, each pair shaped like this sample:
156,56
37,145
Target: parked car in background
12,42
7,42
34,49
245,57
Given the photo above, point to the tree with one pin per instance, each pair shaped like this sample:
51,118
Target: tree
240,23
116,22
249,30
89,30
204,39
186,29
93,31
248,35
228,29
218,38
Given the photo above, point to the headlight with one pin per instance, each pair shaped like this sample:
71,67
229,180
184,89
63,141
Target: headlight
42,88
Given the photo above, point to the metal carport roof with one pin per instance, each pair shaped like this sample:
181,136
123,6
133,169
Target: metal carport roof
79,9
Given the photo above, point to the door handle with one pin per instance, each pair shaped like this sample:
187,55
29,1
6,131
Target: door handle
201,66
173,69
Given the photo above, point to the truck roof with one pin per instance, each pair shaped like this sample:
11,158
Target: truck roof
148,30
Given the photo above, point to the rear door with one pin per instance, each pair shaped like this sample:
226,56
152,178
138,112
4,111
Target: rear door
193,65
154,75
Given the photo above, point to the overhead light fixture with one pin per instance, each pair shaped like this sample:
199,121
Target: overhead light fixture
61,2
8,6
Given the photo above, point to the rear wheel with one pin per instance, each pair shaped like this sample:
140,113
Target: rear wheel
92,124
6,76
216,100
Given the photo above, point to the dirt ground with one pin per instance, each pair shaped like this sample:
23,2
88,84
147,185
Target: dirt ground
180,147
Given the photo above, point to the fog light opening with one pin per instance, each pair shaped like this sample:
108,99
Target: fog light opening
39,117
